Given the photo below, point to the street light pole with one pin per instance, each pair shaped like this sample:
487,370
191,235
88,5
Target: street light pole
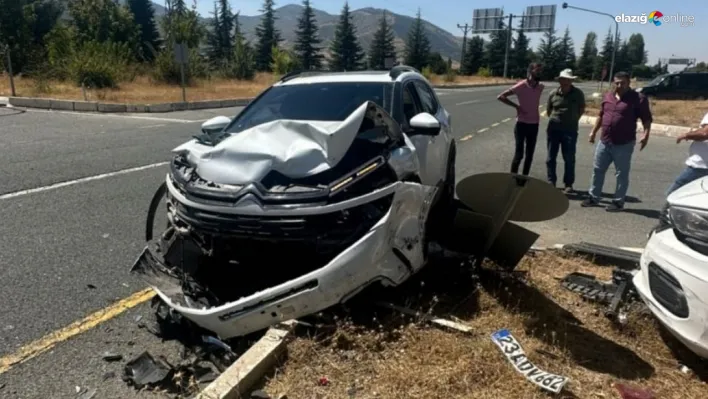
614,41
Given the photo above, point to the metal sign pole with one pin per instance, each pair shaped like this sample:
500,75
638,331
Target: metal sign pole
184,90
9,69
508,45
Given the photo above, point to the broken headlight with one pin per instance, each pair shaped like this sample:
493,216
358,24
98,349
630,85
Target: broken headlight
691,226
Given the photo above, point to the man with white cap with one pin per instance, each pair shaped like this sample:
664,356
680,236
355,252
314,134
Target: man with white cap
565,107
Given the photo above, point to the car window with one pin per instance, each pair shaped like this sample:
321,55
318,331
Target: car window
411,104
427,98
311,102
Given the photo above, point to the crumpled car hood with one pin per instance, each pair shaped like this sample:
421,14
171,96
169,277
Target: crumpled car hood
293,148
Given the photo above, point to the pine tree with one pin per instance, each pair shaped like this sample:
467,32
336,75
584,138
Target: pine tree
346,53
214,47
226,28
268,36
520,58
549,55
605,56
566,51
622,60
474,56
243,63
635,51
496,50
382,45
144,17
417,49
308,53
588,57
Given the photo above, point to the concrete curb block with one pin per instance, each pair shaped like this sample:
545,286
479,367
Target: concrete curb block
236,380
656,128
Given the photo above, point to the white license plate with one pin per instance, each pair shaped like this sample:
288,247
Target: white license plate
515,354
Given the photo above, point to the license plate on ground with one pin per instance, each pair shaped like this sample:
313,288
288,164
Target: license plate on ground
511,348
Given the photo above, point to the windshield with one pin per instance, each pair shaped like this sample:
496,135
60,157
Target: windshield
312,102
656,80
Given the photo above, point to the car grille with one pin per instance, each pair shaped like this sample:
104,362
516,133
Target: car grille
667,291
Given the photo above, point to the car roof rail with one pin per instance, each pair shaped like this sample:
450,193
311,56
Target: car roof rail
301,72
397,70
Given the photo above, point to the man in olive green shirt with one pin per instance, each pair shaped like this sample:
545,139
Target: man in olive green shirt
565,107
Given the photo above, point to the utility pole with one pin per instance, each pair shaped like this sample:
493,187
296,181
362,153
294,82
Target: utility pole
466,28
615,43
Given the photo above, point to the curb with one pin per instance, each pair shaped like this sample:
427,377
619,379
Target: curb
89,106
92,106
656,128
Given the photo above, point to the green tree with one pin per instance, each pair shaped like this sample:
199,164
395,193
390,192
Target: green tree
588,57
214,48
636,53
345,50
268,37
417,49
549,55
149,40
437,63
566,51
243,62
622,58
307,41
220,38
520,57
382,45
474,56
103,21
604,59
496,50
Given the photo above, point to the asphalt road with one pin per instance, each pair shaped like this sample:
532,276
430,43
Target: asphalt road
65,251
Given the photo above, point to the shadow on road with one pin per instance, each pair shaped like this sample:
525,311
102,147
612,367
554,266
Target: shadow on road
649,213
582,195
11,111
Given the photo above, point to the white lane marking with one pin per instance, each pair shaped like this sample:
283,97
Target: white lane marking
151,126
468,102
495,124
482,130
469,136
82,180
506,120
147,118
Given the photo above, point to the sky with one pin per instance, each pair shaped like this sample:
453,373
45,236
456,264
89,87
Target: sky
668,40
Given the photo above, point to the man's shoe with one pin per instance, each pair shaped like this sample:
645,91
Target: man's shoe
589,202
568,189
614,207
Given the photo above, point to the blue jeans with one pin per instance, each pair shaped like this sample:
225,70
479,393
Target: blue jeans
621,156
686,176
566,142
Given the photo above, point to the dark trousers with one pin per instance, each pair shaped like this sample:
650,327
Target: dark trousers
525,135
566,142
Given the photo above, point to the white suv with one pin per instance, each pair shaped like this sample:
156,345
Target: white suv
324,184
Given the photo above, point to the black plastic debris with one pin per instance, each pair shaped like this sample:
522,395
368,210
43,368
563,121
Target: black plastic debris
112,357
260,394
615,293
146,370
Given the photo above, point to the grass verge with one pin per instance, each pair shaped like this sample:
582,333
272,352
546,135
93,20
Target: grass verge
373,353
144,90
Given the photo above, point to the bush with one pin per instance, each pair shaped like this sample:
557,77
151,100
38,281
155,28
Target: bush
282,61
99,65
450,76
427,72
484,72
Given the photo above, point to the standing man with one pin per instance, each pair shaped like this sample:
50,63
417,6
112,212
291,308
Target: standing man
528,91
565,107
619,112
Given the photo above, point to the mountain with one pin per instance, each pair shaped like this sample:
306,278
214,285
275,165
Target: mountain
366,21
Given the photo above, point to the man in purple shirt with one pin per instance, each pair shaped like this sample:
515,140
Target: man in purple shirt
528,91
619,112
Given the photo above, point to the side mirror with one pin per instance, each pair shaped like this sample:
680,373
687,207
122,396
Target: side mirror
424,123
215,125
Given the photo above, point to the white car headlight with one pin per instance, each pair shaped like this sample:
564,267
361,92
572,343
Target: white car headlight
690,222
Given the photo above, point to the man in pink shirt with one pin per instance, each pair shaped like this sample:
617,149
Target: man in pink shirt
528,91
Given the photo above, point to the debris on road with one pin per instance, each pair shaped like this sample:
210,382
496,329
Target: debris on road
617,294
111,357
511,348
87,394
146,370
629,392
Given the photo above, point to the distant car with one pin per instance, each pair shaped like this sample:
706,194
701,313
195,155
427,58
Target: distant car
673,280
680,85
324,184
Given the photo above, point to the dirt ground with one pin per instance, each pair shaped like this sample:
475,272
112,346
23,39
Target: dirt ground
370,352
144,90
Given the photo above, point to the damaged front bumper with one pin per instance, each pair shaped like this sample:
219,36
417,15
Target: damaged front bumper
673,282
279,280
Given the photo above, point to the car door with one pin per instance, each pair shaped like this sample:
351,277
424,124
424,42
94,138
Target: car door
438,145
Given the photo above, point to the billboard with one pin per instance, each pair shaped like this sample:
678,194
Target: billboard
539,18
486,20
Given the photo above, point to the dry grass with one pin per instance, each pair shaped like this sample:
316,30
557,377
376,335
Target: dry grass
145,90
670,112
371,353
468,80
